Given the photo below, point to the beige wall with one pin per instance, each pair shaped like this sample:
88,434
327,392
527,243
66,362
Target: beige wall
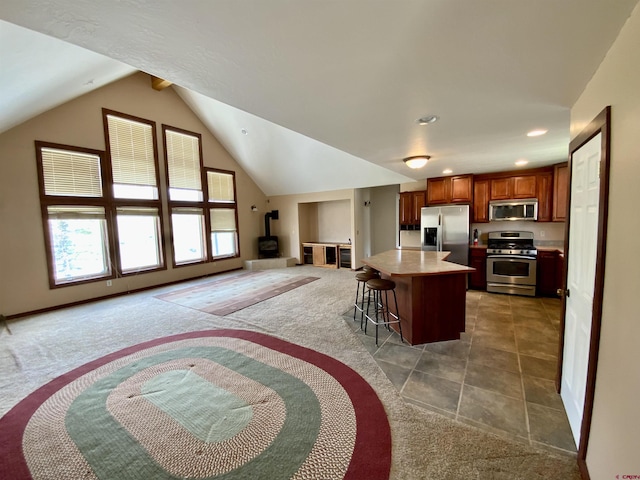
23,270
614,443
294,225
334,221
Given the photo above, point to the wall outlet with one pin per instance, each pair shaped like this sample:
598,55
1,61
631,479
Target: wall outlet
542,233
109,283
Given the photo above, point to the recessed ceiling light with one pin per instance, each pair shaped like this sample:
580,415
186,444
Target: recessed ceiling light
522,162
418,161
447,171
427,119
536,133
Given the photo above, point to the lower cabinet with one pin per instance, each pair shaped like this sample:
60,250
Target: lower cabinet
330,255
547,274
478,260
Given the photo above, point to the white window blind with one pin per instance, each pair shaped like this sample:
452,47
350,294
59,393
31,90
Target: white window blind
68,212
220,187
132,152
183,161
223,219
71,173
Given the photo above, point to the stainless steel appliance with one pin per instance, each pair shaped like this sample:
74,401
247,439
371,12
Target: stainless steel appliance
446,229
513,210
511,263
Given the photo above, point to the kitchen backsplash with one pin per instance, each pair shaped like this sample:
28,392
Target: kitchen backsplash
544,233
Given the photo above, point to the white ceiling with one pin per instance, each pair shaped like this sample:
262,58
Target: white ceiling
328,91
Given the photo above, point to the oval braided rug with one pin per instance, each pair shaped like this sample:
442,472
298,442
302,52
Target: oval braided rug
216,404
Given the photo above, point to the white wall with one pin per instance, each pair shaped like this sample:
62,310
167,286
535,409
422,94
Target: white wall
614,444
384,218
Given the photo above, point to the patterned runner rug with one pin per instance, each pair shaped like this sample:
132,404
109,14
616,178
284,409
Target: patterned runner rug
217,404
228,295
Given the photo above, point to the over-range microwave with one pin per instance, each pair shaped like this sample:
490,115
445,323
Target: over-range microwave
513,209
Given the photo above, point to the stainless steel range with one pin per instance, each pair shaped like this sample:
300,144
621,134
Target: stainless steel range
511,263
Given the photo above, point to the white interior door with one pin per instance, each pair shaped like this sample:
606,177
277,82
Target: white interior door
583,239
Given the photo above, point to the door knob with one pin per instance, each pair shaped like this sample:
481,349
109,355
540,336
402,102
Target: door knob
563,293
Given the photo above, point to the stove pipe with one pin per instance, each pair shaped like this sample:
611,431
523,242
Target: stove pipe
267,224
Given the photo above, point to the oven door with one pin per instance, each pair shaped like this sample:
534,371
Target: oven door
511,269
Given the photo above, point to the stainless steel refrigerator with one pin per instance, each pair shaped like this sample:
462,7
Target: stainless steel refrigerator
446,229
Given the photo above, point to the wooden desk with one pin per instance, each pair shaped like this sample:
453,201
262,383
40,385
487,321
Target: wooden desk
431,293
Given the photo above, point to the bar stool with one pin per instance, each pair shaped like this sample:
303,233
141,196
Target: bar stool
377,286
362,279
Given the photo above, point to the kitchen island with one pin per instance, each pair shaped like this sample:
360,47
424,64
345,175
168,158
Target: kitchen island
431,293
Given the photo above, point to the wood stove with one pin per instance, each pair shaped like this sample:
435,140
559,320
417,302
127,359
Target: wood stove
268,244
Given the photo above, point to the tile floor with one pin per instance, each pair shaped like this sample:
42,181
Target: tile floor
499,376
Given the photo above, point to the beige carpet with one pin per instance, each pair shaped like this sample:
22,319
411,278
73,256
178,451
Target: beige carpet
424,445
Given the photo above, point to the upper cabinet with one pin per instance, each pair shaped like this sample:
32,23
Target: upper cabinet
481,201
544,196
546,184
445,190
560,192
520,186
410,205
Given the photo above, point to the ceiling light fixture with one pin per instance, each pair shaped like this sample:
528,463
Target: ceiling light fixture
417,161
427,119
447,171
521,163
244,131
536,133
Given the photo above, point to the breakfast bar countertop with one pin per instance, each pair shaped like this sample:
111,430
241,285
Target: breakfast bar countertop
412,263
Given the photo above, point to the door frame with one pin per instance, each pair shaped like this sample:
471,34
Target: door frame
600,124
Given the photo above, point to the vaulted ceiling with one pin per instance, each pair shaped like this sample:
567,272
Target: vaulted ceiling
322,95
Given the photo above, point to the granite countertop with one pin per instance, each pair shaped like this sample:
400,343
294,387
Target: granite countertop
412,263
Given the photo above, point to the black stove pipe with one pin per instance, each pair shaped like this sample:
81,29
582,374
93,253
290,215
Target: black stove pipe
267,224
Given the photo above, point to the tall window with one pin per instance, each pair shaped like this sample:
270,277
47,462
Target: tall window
131,145
74,212
186,199
223,213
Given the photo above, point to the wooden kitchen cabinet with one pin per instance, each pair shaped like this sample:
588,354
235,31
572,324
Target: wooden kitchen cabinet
445,190
320,254
544,196
547,273
508,188
560,192
410,205
478,260
481,201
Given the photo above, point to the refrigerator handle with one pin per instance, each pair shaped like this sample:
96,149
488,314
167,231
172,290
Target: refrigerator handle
439,247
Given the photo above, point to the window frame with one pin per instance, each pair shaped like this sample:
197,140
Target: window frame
210,204
176,204
47,201
115,203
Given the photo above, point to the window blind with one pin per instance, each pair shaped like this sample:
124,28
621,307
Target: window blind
71,173
220,187
223,219
63,212
132,152
183,160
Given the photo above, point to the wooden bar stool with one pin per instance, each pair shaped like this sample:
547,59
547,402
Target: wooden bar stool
362,279
378,286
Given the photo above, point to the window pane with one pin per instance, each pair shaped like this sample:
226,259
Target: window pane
78,243
132,156
71,173
188,235
183,165
138,238
220,187
223,243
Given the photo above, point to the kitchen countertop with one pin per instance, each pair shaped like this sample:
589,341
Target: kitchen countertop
412,263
